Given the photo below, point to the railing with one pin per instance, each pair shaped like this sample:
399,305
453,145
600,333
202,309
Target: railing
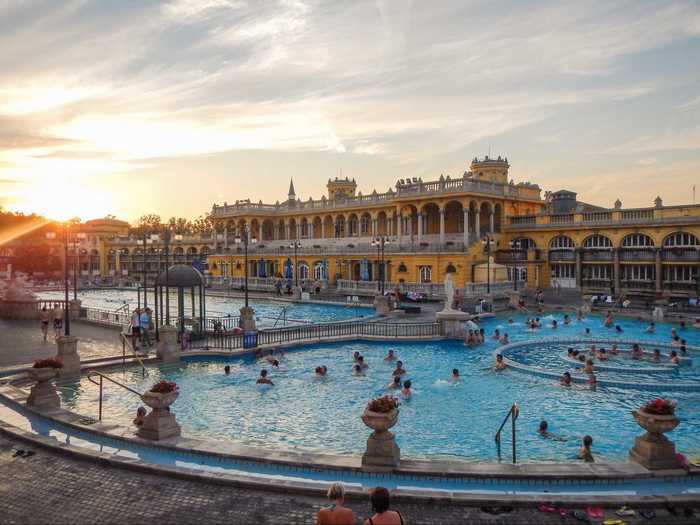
429,289
562,255
561,219
637,254
522,219
102,376
597,255
126,340
597,216
681,254
513,416
108,317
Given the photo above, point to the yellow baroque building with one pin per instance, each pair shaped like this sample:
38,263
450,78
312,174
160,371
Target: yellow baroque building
441,226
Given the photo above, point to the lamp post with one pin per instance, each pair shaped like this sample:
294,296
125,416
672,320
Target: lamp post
486,241
379,242
296,245
244,237
514,246
144,275
166,241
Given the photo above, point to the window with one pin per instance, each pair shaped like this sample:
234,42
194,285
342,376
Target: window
426,274
520,272
637,240
304,229
681,240
524,243
561,242
598,242
319,271
364,225
599,271
563,271
303,271
450,268
402,268
680,273
638,272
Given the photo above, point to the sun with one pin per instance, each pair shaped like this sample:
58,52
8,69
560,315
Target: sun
62,200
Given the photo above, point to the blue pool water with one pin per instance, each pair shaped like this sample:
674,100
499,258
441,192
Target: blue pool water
441,419
268,312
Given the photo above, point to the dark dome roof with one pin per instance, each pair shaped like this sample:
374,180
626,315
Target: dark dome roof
182,276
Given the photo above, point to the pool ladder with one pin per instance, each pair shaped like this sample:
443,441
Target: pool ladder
102,376
512,415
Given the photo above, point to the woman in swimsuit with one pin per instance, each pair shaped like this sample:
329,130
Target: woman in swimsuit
337,513
380,499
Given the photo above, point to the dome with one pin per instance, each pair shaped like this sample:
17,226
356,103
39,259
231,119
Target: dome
181,276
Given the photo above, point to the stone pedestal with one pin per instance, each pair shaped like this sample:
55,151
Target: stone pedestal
450,322
382,454
74,307
160,423
514,299
168,350
43,394
653,450
382,305
67,346
247,319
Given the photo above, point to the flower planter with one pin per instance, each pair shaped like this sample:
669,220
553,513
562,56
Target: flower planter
382,454
160,423
653,450
43,394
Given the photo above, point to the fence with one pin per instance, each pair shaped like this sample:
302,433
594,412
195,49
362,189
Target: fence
106,317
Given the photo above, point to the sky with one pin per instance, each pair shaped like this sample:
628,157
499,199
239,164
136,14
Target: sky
128,107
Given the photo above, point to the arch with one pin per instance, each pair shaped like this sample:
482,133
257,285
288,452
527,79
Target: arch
637,240
192,250
409,216
124,251
597,242
525,243
497,217
240,228
204,250
328,227
281,230
320,271
425,274
292,228
339,226
430,214
179,250
365,225
353,225
382,226
561,242
485,210
681,240
317,227
303,270
454,217
267,231
450,268
254,229
304,225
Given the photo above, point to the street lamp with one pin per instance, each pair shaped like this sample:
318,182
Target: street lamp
296,245
379,242
486,241
245,238
514,246
66,317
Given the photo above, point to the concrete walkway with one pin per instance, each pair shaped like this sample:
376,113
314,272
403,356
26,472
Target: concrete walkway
22,342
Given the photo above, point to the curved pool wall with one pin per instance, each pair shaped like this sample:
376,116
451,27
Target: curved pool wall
667,386
313,473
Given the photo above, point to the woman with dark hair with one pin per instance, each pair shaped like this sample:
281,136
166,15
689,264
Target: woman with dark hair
380,499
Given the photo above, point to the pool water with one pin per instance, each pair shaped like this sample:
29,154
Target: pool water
268,312
441,419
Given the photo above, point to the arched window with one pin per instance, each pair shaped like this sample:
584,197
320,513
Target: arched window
320,271
303,270
402,268
450,268
523,243
352,226
426,274
597,242
364,225
561,242
637,240
681,240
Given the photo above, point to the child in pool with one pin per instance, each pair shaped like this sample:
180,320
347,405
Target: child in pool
399,370
565,379
674,357
585,451
395,383
390,356
500,364
455,376
406,390
263,379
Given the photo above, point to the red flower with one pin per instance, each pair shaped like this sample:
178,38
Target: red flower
164,387
660,407
383,404
51,362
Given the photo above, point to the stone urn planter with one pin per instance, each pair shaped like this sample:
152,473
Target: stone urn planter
382,452
160,423
653,450
43,394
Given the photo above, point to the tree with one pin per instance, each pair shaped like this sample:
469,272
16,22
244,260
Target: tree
150,223
32,258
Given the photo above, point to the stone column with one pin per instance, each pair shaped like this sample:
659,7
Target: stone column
399,224
578,268
420,226
491,228
168,350
226,237
287,231
67,352
299,231
658,271
442,226
477,226
465,212
616,271
374,227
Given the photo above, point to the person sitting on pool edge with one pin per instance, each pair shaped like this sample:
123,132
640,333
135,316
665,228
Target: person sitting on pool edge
585,452
337,513
399,370
140,416
455,376
395,383
263,379
390,356
406,390
565,379
381,502
227,370
674,358
500,364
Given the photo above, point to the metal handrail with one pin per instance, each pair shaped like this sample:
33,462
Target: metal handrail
513,415
104,376
282,315
124,338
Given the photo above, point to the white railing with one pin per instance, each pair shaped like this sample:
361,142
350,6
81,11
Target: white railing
434,290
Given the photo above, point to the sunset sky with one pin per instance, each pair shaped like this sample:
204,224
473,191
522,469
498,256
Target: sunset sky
132,107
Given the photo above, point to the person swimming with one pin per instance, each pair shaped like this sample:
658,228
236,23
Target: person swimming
455,375
399,370
567,320
395,383
361,362
637,352
587,331
263,379
500,364
504,340
496,334
510,321
390,356
618,328
545,433
656,355
565,379
406,390
581,357
674,334
227,370
651,328
588,369
554,323
602,355
674,358
274,362
570,352
575,353
683,348
321,371
357,370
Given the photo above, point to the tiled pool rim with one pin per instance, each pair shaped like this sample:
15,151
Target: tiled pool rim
539,372
612,475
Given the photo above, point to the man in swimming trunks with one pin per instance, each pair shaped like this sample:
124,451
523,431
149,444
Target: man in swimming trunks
500,364
395,383
399,370
390,356
263,379
565,379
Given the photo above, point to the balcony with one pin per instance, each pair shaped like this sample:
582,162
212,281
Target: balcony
681,254
633,254
598,284
597,255
562,255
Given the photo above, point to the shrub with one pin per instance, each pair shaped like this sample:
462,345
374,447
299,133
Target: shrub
51,362
383,404
164,387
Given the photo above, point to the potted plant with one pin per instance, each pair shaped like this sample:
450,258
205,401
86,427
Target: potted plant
381,413
45,369
161,395
657,417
